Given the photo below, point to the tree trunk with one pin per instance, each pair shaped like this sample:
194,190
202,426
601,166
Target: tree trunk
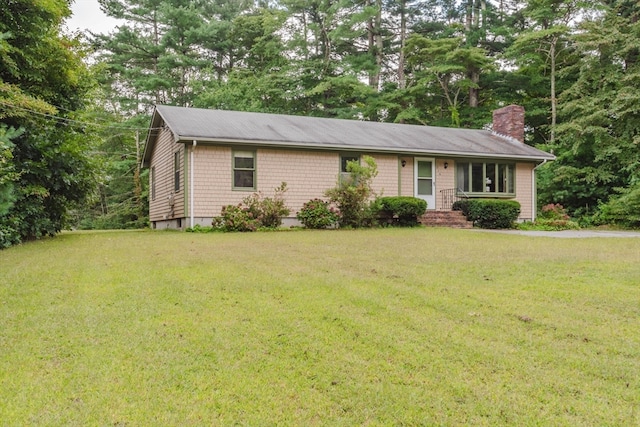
137,187
402,81
554,101
474,92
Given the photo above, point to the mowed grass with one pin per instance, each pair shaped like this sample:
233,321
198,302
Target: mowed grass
375,327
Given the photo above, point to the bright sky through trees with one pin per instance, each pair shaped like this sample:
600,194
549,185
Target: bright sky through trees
88,16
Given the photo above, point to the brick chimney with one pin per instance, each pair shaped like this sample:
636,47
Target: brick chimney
509,121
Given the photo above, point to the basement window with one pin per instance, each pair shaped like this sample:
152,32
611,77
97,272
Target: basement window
244,170
486,178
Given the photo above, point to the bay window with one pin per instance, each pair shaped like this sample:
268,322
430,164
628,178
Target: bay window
482,177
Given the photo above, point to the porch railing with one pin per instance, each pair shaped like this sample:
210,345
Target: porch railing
451,195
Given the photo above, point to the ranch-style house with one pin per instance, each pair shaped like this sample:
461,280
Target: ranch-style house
201,160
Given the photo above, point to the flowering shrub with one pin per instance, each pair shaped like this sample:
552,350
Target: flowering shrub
317,214
236,218
254,212
554,211
554,217
268,211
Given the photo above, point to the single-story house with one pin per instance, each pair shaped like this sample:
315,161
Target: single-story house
201,160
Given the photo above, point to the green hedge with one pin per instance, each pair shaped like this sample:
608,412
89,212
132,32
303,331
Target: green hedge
402,210
461,205
489,213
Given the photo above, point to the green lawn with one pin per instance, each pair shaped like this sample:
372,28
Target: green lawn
375,327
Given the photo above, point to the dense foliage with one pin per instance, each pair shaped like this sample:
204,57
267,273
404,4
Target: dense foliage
46,169
255,212
317,214
490,213
353,195
402,210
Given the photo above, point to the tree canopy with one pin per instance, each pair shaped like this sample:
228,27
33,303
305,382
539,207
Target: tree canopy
43,81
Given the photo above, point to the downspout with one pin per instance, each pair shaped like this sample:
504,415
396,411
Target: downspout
191,170
534,191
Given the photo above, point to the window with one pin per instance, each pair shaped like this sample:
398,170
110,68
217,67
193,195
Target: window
244,170
153,183
176,171
485,177
344,160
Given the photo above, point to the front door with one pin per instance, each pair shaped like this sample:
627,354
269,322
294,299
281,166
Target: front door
425,181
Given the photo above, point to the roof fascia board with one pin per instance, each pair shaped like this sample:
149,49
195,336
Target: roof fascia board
276,144
153,134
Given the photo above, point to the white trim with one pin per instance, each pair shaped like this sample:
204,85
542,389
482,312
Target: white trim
430,206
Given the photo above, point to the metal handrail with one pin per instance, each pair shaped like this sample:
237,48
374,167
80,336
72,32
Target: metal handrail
460,191
450,196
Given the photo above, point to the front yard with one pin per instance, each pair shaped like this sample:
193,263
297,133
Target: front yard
378,327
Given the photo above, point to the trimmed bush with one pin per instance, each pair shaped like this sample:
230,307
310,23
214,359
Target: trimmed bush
493,213
462,206
317,214
402,210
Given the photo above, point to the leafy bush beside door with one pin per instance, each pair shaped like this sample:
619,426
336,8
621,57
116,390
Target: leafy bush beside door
402,210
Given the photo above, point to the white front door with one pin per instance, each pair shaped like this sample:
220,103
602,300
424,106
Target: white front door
425,181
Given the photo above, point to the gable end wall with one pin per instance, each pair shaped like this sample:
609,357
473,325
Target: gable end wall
162,162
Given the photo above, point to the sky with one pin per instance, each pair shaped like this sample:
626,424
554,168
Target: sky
88,16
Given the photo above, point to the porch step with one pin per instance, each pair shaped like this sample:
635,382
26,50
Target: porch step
452,219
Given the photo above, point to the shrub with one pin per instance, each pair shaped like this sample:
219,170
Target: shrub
554,211
493,213
555,224
254,212
8,233
402,210
352,194
236,218
554,217
200,229
269,211
462,206
622,210
317,214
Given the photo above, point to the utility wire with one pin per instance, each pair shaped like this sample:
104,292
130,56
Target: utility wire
76,122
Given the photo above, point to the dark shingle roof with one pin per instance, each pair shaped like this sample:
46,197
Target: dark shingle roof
262,129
